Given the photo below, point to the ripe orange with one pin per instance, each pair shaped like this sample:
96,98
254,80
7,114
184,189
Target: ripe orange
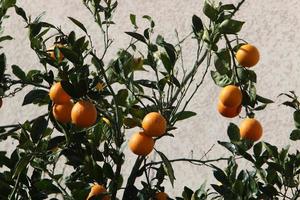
58,95
154,124
231,96
62,112
84,114
97,190
161,196
247,55
141,144
51,52
251,129
229,112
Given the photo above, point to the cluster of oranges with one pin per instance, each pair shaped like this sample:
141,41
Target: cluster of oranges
142,142
100,190
230,98
83,114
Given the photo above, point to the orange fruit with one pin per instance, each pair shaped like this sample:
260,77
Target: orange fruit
58,95
141,144
229,112
231,96
251,129
161,196
62,112
154,124
97,190
247,55
51,52
84,114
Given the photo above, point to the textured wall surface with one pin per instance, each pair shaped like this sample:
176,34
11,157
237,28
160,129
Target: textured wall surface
270,25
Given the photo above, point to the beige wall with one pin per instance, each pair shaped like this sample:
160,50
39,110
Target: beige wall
271,25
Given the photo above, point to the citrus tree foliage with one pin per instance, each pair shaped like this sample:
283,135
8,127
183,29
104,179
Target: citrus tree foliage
94,154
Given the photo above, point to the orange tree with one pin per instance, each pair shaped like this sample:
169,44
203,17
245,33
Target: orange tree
92,104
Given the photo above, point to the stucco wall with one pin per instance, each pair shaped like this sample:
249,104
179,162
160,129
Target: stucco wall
270,24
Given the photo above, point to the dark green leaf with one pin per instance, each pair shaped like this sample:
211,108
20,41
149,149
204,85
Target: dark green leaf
233,132
21,165
296,116
21,12
231,147
2,65
70,55
78,23
197,24
108,171
7,37
222,61
230,26
295,135
38,128
220,80
133,20
35,96
47,186
8,3
137,36
210,11
19,72
263,99
168,167
228,7
184,115
221,176
257,149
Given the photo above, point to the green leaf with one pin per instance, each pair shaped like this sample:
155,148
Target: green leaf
230,26
296,116
231,147
295,135
197,24
257,149
168,167
47,186
70,55
187,193
8,3
222,61
21,13
210,11
6,37
21,165
228,7
121,97
137,36
220,176
38,128
2,65
184,115
220,80
19,72
263,99
133,20
252,92
35,96
233,132
108,171
78,23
